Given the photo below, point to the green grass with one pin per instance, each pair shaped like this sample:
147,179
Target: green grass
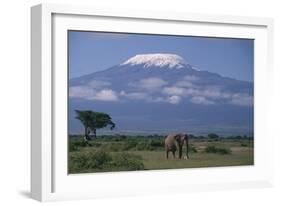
156,160
107,154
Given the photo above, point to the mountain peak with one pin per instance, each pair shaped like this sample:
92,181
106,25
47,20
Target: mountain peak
157,59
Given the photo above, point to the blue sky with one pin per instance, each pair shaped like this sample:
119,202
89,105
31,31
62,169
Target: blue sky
94,51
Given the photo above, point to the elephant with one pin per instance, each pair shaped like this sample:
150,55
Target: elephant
174,141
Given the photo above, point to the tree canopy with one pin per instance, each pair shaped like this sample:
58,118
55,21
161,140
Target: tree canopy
92,120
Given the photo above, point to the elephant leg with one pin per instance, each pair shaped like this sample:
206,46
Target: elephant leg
167,154
180,153
174,153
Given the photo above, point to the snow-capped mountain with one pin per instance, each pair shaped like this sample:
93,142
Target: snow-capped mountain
157,60
150,92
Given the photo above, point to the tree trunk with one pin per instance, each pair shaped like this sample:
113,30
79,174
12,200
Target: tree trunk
186,142
95,133
86,136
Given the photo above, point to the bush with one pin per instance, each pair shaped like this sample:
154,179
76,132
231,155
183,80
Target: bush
89,160
113,147
141,146
104,161
80,143
94,144
74,145
100,158
244,145
217,150
129,145
157,143
126,161
192,148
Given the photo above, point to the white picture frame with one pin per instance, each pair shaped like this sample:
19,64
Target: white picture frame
49,178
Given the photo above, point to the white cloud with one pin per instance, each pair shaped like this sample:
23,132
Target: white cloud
201,100
135,95
183,92
97,84
122,93
91,94
210,92
190,78
81,91
150,83
174,90
187,81
159,99
152,90
207,95
174,99
241,100
213,92
106,95
184,84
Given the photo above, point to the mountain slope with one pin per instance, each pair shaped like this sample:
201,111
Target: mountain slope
150,92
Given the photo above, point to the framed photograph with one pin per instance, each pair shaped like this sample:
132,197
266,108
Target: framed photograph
136,102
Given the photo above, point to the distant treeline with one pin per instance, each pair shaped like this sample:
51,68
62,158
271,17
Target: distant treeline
156,136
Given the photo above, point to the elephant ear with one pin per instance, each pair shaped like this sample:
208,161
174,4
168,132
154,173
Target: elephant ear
178,137
181,136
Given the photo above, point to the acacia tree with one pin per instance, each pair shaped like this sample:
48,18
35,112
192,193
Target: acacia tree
92,121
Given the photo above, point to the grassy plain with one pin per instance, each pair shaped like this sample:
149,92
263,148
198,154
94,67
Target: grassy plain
126,153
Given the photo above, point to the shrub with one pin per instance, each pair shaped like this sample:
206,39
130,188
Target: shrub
117,139
103,161
112,147
211,149
75,144
95,144
72,147
126,161
89,160
217,150
143,146
100,158
79,142
157,143
192,148
244,145
130,145
224,151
